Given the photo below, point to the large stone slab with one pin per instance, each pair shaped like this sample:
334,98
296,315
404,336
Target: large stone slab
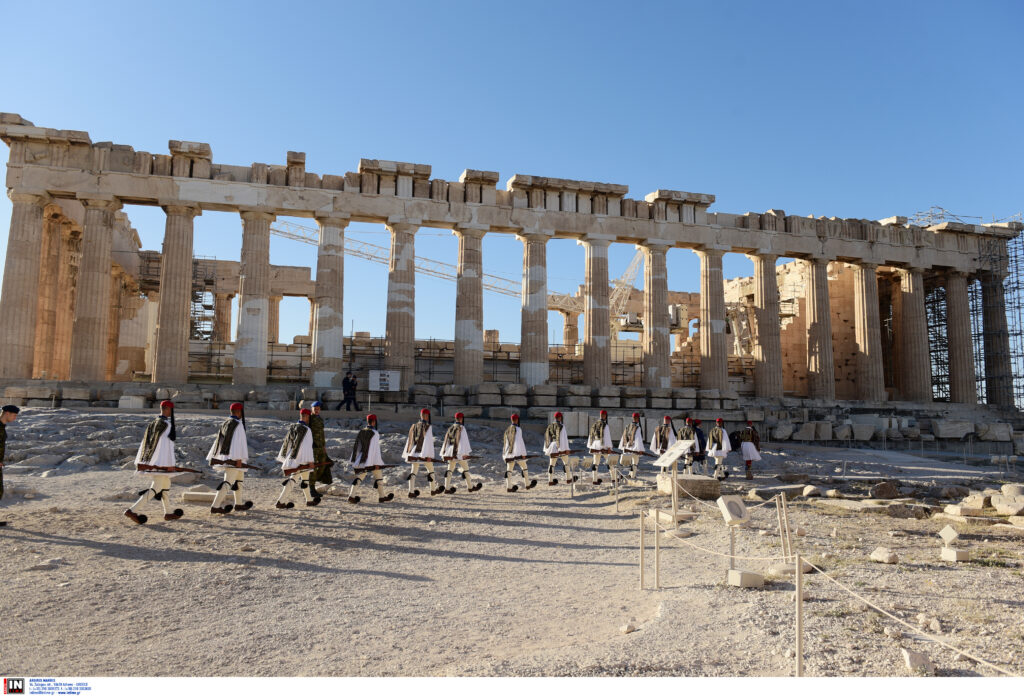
951,429
806,432
995,432
703,487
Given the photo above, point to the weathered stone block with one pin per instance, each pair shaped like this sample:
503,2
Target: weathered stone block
782,431
538,400
136,402
805,432
755,415
633,392
77,394
514,400
842,432
951,429
513,389
884,555
822,430
886,490
661,403
607,402
577,401
712,404
1008,504
42,392
863,432
485,399
16,392
685,404
685,393
608,392
703,487
995,432
544,390
454,400
634,403
575,390
485,388
708,394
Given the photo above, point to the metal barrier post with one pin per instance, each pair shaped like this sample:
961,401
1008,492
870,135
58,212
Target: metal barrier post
799,617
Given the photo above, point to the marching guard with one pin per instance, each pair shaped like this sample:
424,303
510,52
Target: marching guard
155,459
631,444
718,447
689,432
322,472
297,461
600,445
366,458
229,453
664,437
514,453
8,414
750,447
556,446
419,447
455,450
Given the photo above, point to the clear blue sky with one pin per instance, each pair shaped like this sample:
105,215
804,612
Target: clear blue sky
864,109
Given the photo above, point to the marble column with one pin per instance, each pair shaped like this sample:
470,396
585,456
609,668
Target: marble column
114,323
570,328
868,333
821,381
19,298
533,351
998,375
89,335
67,281
173,314
274,319
714,348
963,386
329,324
597,359
400,330
469,308
916,366
222,317
657,348
250,363
46,310
768,344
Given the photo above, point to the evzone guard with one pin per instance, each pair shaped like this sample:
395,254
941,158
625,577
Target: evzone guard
155,459
600,446
322,472
297,461
514,453
718,448
631,444
419,448
366,459
229,454
556,446
750,447
664,436
8,414
689,432
455,450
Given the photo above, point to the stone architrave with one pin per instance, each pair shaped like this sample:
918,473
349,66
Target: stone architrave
90,333
868,333
714,351
469,308
996,344
19,299
820,363
597,356
768,345
400,330
963,386
46,312
916,373
533,355
657,344
329,324
173,313
251,335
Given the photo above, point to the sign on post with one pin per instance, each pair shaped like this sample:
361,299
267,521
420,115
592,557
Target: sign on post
385,380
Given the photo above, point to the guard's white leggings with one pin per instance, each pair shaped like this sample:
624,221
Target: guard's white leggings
301,481
158,490
233,478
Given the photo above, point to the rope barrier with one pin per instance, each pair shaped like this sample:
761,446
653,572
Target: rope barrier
929,636
717,553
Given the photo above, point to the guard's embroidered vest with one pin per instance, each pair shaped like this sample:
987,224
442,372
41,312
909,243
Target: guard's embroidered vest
747,435
552,433
293,440
361,450
225,435
661,435
417,433
687,433
154,430
453,437
717,434
597,431
630,432
510,438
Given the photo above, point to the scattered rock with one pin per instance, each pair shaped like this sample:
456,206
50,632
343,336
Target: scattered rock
918,663
811,492
935,626
833,493
1013,489
884,555
793,478
886,490
790,653
834,533
894,633
247,549
800,532
627,628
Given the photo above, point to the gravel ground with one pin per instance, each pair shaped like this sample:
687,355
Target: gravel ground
485,584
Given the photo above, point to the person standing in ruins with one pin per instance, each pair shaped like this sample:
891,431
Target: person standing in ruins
348,390
229,454
750,447
155,459
8,414
419,448
455,450
322,472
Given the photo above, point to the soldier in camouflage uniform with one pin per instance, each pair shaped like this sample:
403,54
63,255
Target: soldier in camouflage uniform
322,473
7,415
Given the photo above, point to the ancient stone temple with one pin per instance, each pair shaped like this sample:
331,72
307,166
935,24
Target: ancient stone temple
81,301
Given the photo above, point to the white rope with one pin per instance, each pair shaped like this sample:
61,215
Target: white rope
929,636
717,553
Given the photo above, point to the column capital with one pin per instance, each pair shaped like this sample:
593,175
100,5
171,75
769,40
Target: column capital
654,245
189,210
474,231
534,236
762,254
594,240
256,215
866,265
711,250
404,226
339,220
101,201
32,197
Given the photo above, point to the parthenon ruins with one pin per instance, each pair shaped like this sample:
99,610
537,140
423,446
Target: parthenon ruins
114,312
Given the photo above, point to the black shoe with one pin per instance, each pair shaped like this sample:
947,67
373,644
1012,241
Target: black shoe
386,499
354,499
532,484
130,514
220,510
598,482
3,523
553,482
172,516
415,494
513,489
475,488
449,491
436,491
247,505
314,502
285,506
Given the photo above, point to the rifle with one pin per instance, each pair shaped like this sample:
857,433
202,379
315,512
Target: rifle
231,464
167,469
361,469
469,456
527,457
304,467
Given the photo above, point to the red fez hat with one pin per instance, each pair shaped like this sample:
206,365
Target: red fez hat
719,420
459,415
636,415
750,423
305,412
688,419
424,411
237,406
558,414
514,416
697,422
669,418
166,404
370,418
604,413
